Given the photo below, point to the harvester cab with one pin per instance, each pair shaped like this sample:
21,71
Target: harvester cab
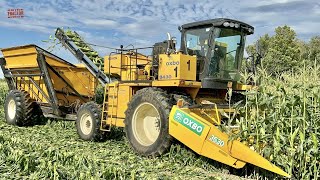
220,56
211,53
218,45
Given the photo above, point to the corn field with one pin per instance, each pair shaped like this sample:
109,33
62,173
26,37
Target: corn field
54,151
281,119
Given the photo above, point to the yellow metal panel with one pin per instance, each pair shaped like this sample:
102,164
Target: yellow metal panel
146,84
211,115
55,62
115,64
124,94
25,56
187,129
118,122
206,139
80,79
242,152
112,100
15,51
242,87
180,83
210,151
177,66
118,98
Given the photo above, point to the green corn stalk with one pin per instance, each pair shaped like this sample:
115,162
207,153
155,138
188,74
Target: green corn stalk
88,51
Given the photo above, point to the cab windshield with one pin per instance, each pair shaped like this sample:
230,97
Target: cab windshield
198,41
219,51
227,54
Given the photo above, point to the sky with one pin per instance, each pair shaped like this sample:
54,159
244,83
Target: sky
142,23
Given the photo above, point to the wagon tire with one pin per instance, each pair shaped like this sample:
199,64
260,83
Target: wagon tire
88,122
20,109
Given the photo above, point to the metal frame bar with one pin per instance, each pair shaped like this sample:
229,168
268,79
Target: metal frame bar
39,89
133,54
10,80
24,69
47,80
22,75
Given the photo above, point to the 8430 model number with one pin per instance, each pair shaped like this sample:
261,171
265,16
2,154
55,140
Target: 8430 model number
165,76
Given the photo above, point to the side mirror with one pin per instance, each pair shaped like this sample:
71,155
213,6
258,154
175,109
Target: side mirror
258,49
250,63
258,60
251,68
258,56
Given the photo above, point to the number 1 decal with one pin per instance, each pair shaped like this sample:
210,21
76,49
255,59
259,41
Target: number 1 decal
176,70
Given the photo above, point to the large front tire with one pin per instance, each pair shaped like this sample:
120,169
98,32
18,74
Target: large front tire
88,122
147,122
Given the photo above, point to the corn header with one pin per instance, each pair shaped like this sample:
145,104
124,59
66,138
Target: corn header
170,94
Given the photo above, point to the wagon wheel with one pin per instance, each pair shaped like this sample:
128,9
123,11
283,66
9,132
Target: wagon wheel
20,109
88,122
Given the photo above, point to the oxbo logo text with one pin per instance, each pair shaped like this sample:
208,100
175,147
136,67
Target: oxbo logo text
188,122
172,63
192,124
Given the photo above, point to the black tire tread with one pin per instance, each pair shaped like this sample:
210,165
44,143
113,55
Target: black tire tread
95,110
25,107
184,96
166,103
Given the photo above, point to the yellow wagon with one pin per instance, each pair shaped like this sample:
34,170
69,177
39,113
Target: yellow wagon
37,78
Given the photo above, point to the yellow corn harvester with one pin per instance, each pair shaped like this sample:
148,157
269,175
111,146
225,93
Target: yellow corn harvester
170,94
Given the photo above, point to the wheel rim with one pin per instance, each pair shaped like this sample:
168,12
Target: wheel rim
146,124
12,109
86,123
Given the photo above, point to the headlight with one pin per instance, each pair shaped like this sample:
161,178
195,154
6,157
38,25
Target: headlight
231,24
226,24
236,25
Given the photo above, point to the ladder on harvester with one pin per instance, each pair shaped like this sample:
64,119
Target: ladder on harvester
94,64
108,110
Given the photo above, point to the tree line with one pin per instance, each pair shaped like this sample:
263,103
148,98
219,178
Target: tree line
284,51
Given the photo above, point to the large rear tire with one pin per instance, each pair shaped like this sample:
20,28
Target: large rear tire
147,122
88,122
184,96
20,109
